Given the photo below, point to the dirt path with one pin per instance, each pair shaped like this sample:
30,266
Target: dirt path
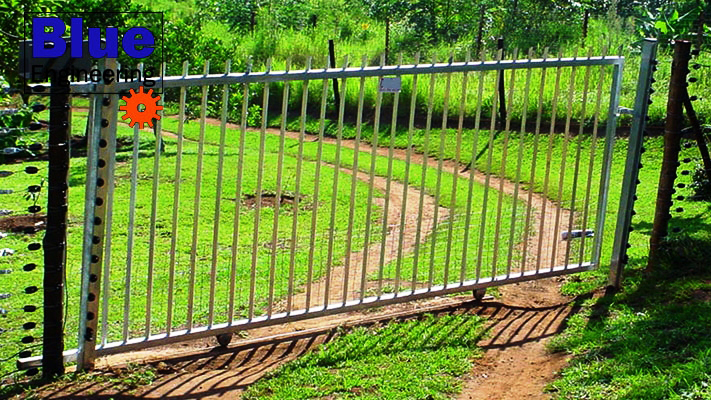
516,364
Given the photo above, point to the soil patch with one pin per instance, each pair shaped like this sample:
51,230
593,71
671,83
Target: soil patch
269,199
27,223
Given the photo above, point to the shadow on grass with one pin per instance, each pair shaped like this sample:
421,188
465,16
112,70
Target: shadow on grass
227,371
651,339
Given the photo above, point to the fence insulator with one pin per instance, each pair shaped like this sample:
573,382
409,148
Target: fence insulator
688,145
642,150
34,189
685,172
679,209
4,296
38,107
29,308
27,339
631,228
34,209
35,146
29,325
676,230
34,246
693,98
6,191
5,271
35,126
25,354
680,198
687,160
693,80
31,170
696,66
31,289
681,185
5,174
29,267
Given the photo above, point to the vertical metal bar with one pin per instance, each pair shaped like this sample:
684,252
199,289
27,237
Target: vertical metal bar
611,128
564,159
371,180
218,197
334,196
517,179
238,199
196,203
386,208
593,151
502,173
317,176
131,223
455,175
578,151
176,203
551,137
111,168
406,179
423,185
492,134
258,196
354,182
532,180
277,203
297,192
152,229
98,157
639,121
472,173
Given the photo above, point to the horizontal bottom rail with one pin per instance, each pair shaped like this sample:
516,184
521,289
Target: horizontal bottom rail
314,312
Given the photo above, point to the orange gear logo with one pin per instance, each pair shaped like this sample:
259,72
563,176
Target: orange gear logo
134,111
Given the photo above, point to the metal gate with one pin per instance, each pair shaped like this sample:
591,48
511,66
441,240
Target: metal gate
435,189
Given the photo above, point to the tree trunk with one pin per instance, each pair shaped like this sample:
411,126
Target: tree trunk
672,147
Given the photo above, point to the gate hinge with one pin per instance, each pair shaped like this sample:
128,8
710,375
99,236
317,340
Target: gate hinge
625,110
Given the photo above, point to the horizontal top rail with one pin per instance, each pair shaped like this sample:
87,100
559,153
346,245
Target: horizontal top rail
331,73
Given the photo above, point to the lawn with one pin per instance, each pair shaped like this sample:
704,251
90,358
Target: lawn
150,242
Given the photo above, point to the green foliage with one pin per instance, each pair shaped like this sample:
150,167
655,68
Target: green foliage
416,359
701,183
669,22
648,342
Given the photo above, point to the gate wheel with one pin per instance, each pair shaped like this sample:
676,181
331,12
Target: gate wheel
479,294
224,339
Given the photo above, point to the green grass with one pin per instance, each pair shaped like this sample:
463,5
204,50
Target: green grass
163,232
406,360
648,342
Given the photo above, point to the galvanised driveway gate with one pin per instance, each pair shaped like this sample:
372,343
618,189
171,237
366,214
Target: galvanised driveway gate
232,228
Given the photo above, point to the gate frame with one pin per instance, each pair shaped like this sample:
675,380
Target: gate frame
93,235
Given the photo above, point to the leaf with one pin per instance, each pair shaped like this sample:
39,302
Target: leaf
675,15
662,26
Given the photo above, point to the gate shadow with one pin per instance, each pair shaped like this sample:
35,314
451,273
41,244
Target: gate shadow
226,372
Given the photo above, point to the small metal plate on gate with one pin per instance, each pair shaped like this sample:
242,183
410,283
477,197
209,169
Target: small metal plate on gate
390,85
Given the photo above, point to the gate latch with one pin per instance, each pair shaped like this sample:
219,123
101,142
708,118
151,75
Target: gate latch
625,110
